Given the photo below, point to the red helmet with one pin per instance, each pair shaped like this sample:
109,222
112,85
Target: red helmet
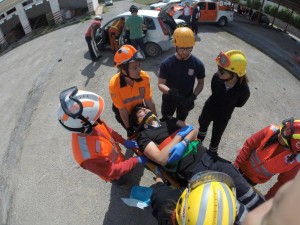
290,133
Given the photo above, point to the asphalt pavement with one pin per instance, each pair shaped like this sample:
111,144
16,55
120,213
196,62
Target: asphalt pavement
40,183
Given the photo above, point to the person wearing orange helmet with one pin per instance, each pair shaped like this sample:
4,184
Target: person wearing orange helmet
272,150
95,145
178,75
229,90
130,86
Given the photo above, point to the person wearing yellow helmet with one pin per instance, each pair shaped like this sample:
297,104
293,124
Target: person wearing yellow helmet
178,75
209,199
229,90
130,86
272,150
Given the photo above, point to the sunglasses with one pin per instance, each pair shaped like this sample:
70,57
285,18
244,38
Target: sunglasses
203,178
222,70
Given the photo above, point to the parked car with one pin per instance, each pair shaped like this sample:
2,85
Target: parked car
108,2
163,3
158,36
263,18
220,12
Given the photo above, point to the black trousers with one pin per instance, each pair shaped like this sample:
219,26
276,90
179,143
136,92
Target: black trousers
195,26
91,50
219,126
169,106
209,161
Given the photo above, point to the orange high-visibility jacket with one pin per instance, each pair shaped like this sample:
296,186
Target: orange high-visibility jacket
101,154
117,25
259,164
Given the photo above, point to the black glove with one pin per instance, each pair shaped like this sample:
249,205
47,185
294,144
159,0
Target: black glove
189,102
130,132
174,93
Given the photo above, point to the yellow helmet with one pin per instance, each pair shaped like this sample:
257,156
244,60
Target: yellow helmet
234,61
208,200
184,37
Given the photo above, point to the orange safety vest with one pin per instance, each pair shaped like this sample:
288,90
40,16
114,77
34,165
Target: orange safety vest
117,25
99,144
266,162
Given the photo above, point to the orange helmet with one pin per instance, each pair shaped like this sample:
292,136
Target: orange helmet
290,133
127,54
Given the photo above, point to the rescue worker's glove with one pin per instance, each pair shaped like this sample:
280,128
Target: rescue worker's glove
174,93
158,172
176,152
189,102
185,131
130,132
131,144
143,160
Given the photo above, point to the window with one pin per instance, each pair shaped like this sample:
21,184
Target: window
11,11
202,5
211,6
149,23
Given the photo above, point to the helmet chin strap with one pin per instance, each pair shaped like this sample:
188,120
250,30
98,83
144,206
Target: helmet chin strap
228,79
127,74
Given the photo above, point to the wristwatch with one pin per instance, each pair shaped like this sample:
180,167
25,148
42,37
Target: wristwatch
186,141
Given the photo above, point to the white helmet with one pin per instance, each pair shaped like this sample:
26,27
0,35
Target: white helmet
79,110
98,18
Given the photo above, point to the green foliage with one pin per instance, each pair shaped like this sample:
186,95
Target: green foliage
236,1
296,21
283,14
249,3
256,4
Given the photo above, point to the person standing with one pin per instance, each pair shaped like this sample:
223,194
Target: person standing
114,33
229,86
195,17
95,145
272,150
187,13
135,25
177,76
130,86
96,23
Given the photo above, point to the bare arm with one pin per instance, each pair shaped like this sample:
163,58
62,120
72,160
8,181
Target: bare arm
125,117
161,156
199,87
162,86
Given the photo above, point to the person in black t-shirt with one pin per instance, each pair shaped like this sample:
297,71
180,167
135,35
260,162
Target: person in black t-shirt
180,155
178,75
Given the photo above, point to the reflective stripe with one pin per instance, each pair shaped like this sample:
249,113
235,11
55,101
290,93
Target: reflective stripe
98,146
254,200
230,203
240,208
259,165
246,195
128,100
203,203
220,208
84,148
298,157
